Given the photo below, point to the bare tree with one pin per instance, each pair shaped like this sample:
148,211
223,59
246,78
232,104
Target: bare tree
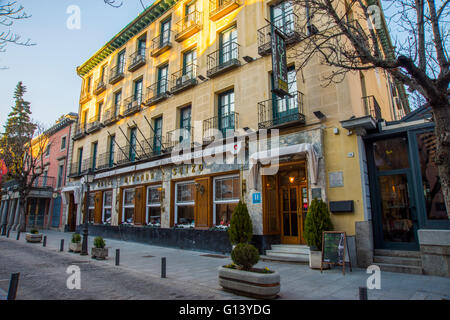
352,35
11,12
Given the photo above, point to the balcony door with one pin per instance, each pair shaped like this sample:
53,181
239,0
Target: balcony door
165,33
282,16
117,99
226,112
121,62
228,45
132,150
189,62
284,107
185,124
138,91
162,79
158,136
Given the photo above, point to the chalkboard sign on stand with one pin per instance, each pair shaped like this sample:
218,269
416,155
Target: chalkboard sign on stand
334,246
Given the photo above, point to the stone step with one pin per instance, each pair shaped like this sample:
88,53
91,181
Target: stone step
295,256
290,249
398,261
287,258
399,268
397,253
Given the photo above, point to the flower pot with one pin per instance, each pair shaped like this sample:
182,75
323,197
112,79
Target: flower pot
75,247
247,283
33,238
315,260
99,253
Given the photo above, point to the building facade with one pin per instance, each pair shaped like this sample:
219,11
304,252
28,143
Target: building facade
197,75
44,203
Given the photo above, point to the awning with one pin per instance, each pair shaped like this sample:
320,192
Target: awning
272,157
76,193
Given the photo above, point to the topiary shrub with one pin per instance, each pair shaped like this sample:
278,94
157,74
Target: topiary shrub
241,229
76,238
245,256
34,231
99,242
317,221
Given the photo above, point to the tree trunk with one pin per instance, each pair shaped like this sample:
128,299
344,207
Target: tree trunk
441,115
23,217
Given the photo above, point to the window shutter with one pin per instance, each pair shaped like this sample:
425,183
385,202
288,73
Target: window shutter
202,203
98,207
139,206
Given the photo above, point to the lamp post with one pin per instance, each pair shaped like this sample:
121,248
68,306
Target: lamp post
87,179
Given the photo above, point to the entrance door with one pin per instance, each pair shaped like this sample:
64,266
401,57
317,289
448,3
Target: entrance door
72,217
290,215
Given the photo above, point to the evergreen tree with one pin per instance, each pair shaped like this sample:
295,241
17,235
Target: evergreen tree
317,221
19,123
241,229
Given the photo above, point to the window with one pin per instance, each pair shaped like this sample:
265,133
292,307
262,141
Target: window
44,182
158,135
141,46
94,155
47,151
89,83
60,175
102,74
91,208
228,45
184,204
85,119
391,154
287,105
132,150
80,159
117,99
63,142
99,110
107,207
226,198
189,11
162,79
153,213
165,33
112,146
128,206
189,62
138,91
185,123
282,16
226,111
121,62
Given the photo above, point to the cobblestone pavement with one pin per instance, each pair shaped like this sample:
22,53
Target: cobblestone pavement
190,275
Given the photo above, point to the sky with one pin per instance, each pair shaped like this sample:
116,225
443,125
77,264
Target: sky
48,69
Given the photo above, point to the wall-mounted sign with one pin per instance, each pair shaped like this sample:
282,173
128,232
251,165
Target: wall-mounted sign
256,198
279,63
336,179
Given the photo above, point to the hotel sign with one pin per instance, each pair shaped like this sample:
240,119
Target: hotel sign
279,63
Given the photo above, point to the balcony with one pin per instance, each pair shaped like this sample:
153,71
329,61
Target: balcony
281,112
85,96
371,107
157,92
223,60
105,161
80,131
94,125
43,182
218,127
161,44
116,73
100,85
289,25
131,105
220,8
188,26
137,60
111,115
180,138
77,169
183,79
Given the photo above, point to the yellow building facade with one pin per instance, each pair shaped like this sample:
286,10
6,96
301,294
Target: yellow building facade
204,67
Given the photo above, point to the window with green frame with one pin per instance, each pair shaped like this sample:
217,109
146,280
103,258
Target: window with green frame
226,111
94,155
286,106
185,123
132,150
157,138
117,99
165,33
163,73
228,45
189,62
80,159
137,95
281,15
112,146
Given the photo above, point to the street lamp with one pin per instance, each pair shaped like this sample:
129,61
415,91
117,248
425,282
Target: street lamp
87,179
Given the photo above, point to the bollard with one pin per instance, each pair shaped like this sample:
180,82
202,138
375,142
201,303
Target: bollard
7,233
18,235
61,248
117,257
44,243
13,284
163,267
363,293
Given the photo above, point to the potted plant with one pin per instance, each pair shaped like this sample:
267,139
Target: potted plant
34,236
75,244
240,277
99,251
317,221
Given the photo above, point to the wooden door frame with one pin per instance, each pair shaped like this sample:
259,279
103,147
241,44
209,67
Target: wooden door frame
289,239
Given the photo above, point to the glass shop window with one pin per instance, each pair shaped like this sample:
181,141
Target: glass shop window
107,207
184,204
153,213
226,198
128,206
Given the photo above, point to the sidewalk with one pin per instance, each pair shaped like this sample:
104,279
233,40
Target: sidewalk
297,281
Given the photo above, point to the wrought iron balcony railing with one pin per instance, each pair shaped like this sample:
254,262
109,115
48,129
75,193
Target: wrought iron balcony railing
157,92
289,25
85,96
105,161
279,112
224,59
80,131
371,107
161,43
100,85
42,182
183,79
137,60
220,126
220,8
132,105
188,26
117,73
111,115
94,125
180,138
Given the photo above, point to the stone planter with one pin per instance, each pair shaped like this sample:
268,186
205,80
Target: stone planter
315,259
99,253
34,238
247,283
75,247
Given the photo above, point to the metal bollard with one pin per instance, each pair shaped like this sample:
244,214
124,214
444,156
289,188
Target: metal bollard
163,267
18,235
117,257
363,293
61,247
13,284
44,243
